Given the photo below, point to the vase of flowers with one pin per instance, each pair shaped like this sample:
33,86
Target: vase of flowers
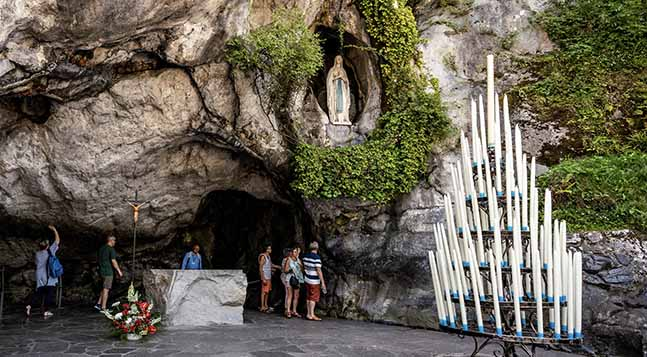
133,319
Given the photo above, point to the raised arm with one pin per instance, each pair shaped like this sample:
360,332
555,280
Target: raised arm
57,239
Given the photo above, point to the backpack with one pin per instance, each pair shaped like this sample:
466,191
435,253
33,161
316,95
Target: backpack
54,267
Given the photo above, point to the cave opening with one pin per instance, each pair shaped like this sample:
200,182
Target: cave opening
232,226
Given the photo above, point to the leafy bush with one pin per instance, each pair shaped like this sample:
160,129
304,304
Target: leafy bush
393,159
601,192
596,83
285,51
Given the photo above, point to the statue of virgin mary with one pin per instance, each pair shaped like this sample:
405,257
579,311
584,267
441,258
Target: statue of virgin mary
338,93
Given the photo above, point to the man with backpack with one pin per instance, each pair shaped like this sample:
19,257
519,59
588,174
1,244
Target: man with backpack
48,270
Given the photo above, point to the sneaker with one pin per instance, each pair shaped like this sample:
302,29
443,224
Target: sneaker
47,314
28,310
98,307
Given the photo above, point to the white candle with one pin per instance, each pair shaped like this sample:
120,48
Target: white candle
527,278
564,297
524,193
443,253
548,248
509,164
479,171
475,128
477,291
518,156
509,213
466,163
461,299
544,288
498,251
557,285
490,100
437,290
516,230
533,172
516,290
446,267
536,274
571,297
479,280
495,287
577,262
497,146
479,234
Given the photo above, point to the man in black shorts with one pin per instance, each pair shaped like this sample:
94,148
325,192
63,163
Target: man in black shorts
107,261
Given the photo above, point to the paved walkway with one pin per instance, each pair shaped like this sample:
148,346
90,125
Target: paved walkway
74,333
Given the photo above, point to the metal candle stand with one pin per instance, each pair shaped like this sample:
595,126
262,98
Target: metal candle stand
507,341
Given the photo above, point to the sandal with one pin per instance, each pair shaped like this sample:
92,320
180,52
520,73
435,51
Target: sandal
296,314
262,309
287,315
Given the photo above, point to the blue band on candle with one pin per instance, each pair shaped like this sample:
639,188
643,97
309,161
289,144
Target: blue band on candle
545,266
481,194
523,322
468,197
452,325
511,193
455,295
564,329
466,264
578,334
499,193
504,263
543,296
528,295
443,322
550,299
508,228
491,228
481,329
501,298
521,265
465,328
483,264
520,194
525,229
475,163
551,325
562,298
570,336
520,298
540,335
499,331
460,229
482,297
557,336
519,334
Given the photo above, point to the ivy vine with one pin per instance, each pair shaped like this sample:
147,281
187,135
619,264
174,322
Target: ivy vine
393,159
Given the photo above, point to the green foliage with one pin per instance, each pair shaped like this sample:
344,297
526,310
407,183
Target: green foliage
285,50
596,83
393,159
601,192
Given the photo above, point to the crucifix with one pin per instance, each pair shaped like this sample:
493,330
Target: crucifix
136,205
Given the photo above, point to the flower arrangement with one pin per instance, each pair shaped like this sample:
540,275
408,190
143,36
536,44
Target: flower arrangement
133,319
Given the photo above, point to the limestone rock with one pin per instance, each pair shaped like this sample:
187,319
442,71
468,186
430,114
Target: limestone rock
197,297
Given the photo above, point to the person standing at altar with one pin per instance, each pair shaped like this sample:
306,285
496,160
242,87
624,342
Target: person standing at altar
265,269
192,259
107,262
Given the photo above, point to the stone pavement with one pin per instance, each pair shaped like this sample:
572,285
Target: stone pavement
83,333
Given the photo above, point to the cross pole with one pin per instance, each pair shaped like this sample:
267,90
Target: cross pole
136,205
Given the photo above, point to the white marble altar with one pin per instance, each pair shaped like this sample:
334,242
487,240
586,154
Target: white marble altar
197,297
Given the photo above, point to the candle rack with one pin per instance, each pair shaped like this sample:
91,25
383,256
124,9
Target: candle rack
525,293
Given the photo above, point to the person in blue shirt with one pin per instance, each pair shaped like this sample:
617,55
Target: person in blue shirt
192,260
